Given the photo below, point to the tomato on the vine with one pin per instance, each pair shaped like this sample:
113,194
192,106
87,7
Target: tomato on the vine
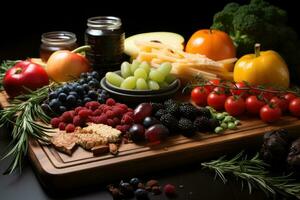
289,96
235,106
294,107
253,104
283,104
270,113
212,84
237,91
216,100
199,96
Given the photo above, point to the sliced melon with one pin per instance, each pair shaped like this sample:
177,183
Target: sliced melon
173,40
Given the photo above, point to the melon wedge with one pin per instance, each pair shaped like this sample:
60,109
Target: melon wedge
173,40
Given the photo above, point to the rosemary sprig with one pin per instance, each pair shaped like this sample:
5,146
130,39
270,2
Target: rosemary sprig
5,65
24,116
254,173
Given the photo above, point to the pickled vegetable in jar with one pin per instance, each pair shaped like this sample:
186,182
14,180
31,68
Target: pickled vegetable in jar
56,40
106,37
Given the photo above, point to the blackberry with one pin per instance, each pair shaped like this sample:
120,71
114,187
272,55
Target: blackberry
213,123
169,121
202,124
156,107
204,112
186,126
159,113
188,110
173,109
169,102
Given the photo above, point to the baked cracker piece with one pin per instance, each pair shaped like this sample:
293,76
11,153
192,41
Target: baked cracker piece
111,134
90,140
65,142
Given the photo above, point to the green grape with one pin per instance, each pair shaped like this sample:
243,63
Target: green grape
163,84
156,75
140,73
114,79
141,84
153,85
125,69
144,65
165,68
135,64
129,83
170,78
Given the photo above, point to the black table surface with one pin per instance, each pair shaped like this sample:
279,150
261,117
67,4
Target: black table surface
191,182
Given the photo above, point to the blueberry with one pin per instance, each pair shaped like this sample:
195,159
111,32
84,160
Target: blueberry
149,121
45,107
79,102
92,94
103,96
89,78
59,90
83,75
53,95
93,84
126,189
141,194
134,182
104,92
62,97
62,109
71,100
95,75
66,89
75,85
54,104
81,81
86,87
99,91
74,94
86,99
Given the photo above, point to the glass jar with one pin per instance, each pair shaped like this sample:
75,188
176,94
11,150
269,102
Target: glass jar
106,37
56,40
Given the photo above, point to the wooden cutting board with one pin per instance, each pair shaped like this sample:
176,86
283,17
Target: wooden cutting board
58,171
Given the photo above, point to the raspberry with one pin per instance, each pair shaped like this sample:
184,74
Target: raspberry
110,122
123,106
123,128
78,121
62,126
93,105
97,112
126,119
70,128
118,111
102,119
67,117
129,114
107,108
55,122
130,110
79,108
170,190
110,114
110,102
117,121
85,113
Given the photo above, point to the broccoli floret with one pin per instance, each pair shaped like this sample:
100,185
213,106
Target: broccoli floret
260,22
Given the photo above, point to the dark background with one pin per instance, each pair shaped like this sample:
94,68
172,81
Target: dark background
23,23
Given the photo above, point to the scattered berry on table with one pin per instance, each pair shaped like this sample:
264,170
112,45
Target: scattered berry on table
170,190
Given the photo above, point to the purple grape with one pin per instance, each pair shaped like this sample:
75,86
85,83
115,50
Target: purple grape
156,133
142,111
137,132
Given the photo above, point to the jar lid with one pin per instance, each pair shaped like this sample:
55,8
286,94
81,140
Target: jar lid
59,38
104,22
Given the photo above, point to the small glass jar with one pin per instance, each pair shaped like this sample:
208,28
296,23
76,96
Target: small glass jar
106,37
56,40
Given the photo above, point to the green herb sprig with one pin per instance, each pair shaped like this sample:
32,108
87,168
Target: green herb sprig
23,113
255,174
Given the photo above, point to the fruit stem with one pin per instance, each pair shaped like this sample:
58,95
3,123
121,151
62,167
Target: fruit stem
257,49
18,70
82,49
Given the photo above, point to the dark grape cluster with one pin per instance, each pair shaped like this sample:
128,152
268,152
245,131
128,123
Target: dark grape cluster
74,94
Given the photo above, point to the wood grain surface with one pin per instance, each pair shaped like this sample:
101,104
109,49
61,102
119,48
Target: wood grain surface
58,171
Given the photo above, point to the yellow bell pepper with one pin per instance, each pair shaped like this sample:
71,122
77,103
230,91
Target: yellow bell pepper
262,68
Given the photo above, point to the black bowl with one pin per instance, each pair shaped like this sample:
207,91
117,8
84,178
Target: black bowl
139,96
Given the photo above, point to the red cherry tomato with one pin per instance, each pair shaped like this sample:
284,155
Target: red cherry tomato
216,100
235,106
294,107
199,96
270,114
289,97
212,84
283,104
236,89
253,105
